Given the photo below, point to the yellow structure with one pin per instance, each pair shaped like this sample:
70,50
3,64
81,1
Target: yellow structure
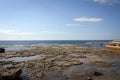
113,46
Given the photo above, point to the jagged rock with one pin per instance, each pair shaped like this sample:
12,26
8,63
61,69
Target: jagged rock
41,75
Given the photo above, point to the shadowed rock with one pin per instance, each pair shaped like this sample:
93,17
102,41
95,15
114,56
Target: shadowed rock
2,50
11,74
97,73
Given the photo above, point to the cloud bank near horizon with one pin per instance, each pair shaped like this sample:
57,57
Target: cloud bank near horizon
13,32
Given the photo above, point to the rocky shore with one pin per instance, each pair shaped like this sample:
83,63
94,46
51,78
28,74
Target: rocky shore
64,62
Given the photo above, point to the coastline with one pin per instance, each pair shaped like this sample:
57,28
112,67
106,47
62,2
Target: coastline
64,61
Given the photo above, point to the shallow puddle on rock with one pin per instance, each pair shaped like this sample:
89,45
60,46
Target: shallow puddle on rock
17,48
20,59
84,72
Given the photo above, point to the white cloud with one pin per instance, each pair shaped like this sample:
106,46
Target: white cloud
51,32
2,31
13,32
85,19
105,1
8,34
24,33
71,25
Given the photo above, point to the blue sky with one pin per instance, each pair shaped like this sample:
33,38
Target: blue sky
59,19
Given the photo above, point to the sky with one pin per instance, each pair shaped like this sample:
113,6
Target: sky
59,19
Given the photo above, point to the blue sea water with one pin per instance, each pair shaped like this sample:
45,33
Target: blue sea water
30,42
21,45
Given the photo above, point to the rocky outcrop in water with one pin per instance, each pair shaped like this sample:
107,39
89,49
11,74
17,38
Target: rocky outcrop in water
2,50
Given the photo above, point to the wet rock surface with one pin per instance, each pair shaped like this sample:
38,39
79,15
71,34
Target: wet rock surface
65,62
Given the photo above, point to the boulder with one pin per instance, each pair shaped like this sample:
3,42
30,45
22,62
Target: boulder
2,50
11,74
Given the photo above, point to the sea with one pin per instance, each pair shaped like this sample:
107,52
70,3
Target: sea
20,44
